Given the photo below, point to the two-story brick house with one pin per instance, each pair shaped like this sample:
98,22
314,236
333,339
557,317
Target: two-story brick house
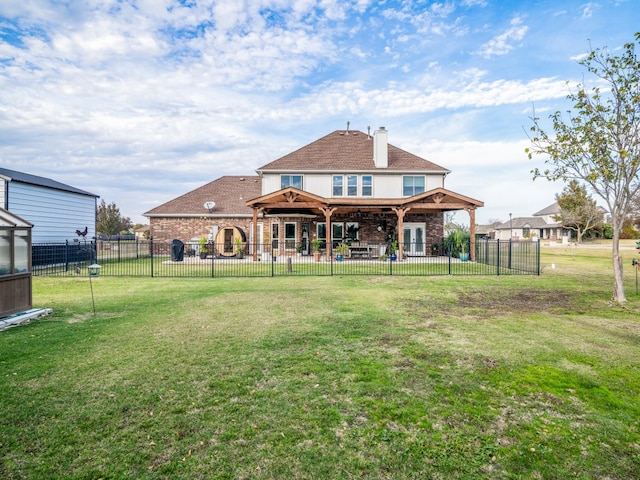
346,185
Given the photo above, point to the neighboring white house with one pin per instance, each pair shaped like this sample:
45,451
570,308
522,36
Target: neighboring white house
56,210
522,228
542,225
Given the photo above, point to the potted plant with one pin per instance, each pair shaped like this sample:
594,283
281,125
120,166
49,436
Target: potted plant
299,249
393,248
316,244
341,250
458,244
464,255
204,250
239,248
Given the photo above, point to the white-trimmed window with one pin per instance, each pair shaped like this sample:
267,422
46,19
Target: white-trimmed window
352,185
275,235
352,231
291,181
412,185
321,232
337,185
337,233
289,235
367,185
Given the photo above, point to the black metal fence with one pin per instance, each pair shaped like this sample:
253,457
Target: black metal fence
156,259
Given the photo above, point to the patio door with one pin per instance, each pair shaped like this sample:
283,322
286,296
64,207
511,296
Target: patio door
414,238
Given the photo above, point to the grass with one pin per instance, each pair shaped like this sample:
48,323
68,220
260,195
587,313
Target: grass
327,377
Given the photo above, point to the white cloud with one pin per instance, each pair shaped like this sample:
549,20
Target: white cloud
502,44
474,3
140,102
587,9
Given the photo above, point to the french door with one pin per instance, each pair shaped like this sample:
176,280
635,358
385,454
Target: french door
414,238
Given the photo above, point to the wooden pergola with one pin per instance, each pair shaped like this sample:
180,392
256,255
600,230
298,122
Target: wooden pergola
292,200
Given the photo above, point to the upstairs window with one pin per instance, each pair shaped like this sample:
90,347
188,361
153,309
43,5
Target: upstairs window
337,185
367,186
352,185
291,181
412,185
349,185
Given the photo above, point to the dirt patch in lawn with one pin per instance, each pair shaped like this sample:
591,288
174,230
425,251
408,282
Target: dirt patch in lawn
524,300
483,304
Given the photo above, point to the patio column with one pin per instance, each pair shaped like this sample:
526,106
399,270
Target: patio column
328,211
255,234
400,212
472,234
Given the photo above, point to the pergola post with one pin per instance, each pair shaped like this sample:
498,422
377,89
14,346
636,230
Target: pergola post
400,212
328,211
255,234
472,234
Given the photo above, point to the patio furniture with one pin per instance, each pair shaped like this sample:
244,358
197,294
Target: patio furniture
361,250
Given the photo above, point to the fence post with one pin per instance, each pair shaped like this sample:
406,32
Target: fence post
213,263
509,255
66,255
273,261
538,258
151,254
498,255
449,258
330,258
486,251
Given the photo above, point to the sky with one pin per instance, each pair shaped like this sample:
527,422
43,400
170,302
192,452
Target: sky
140,101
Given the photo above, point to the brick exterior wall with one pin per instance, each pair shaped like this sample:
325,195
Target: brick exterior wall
165,229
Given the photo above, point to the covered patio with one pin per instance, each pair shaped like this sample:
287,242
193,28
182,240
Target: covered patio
378,219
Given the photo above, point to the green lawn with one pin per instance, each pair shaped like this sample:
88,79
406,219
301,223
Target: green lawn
328,377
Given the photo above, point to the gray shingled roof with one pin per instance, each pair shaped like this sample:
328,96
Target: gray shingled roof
521,222
552,209
348,150
21,177
229,194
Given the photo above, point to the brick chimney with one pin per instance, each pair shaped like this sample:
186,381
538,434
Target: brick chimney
380,148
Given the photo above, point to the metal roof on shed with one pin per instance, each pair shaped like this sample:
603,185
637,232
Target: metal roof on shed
21,177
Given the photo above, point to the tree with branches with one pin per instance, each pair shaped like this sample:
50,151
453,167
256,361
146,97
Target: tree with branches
578,211
109,220
599,143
